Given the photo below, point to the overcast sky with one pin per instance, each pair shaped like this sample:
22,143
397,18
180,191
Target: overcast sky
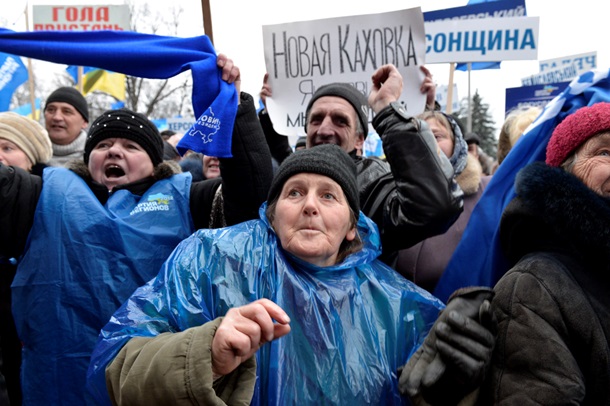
566,29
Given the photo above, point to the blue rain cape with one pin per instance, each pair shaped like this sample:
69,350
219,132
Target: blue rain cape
146,56
81,262
352,324
478,259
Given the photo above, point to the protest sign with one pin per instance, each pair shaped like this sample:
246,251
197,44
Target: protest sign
81,18
582,62
302,56
482,40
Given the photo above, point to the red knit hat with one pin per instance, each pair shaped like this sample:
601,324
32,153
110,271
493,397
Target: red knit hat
575,129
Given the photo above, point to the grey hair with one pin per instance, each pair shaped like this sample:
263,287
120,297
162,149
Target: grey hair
568,164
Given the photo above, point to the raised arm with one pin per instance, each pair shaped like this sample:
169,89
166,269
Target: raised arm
246,176
420,198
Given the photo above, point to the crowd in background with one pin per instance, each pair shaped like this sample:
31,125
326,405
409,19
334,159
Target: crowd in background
118,254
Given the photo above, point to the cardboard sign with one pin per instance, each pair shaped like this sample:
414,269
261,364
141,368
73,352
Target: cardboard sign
302,56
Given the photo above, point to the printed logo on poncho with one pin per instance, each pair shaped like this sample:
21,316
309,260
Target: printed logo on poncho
156,202
205,127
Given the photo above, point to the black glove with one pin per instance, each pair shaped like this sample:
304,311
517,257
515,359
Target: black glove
456,353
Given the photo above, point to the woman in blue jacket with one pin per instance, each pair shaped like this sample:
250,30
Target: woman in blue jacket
97,231
293,308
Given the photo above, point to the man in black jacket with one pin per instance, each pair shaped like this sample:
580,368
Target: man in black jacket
410,197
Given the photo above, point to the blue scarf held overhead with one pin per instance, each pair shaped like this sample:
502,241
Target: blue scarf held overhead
146,56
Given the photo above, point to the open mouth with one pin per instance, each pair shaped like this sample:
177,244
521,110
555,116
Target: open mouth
114,171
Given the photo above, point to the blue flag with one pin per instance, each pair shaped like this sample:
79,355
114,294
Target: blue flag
146,56
478,66
478,259
12,75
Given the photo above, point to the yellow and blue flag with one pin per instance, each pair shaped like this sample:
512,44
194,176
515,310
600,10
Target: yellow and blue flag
26,110
108,82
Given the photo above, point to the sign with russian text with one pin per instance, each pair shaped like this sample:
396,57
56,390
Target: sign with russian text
563,73
180,124
582,62
482,40
489,9
81,18
302,56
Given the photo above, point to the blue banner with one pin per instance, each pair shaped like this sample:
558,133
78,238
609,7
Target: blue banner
13,74
500,8
536,95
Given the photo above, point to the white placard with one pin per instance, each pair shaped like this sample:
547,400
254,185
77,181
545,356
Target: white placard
302,56
482,40
81,18
582,62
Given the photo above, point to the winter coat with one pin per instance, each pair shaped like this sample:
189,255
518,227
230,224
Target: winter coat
353,325
410,197
553,306
10,345
425,262
246,178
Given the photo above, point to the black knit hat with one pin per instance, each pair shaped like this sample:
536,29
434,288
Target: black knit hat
71,96
124,123
348,92
326,159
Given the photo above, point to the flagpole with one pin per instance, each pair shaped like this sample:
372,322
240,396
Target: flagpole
79,78
207,20
469,125
449,107
30,70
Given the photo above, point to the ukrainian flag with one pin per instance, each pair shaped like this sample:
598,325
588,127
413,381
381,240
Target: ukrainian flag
26,110
108,82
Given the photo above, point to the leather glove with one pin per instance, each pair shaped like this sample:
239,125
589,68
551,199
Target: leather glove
455,355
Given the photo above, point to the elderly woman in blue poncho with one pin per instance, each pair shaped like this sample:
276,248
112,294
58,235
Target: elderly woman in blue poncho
293,308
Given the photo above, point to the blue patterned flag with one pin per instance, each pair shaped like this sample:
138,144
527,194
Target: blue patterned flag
146,56
12,75
478,259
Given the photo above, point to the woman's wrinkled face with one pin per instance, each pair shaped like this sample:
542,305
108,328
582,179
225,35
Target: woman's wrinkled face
117,161
592,163
312,218
12,155
442,135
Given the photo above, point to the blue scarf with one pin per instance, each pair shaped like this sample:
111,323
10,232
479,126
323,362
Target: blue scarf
146,56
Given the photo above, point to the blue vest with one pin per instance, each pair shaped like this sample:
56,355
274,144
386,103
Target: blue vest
82,260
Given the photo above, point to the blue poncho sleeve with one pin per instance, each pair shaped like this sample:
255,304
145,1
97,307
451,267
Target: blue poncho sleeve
353,324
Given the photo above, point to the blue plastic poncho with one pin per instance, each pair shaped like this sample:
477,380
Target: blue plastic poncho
352,324
82,261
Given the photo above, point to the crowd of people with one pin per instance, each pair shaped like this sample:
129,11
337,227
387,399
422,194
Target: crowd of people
297,274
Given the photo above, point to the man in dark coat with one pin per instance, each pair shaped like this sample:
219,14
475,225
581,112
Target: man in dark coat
410,196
